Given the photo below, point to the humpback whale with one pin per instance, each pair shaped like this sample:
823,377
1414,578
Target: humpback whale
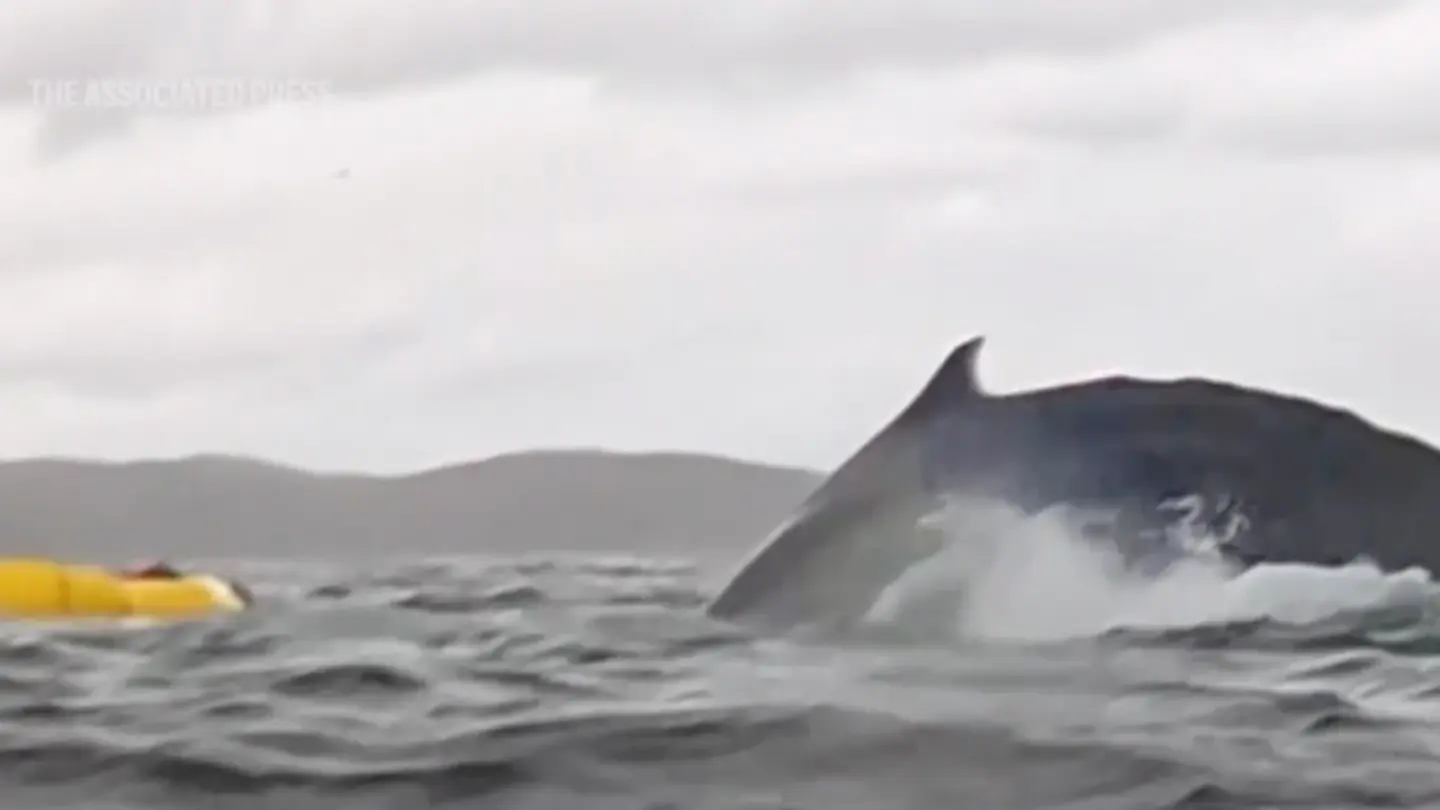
1276,478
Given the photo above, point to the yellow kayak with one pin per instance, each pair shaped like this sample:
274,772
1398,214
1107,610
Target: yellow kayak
34,587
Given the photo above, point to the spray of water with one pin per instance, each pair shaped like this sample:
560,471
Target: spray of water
1012,576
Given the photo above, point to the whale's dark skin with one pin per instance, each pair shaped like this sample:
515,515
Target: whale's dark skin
1290,479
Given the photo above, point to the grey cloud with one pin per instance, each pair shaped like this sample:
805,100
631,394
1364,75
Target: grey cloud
521,260
363,46
123,330
1328,84
141,372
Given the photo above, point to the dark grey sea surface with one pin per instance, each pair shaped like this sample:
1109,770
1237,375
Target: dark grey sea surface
596,684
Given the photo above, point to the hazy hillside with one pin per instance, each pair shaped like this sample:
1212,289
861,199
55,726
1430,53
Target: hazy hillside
558,500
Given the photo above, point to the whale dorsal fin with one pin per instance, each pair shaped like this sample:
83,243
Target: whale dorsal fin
953,384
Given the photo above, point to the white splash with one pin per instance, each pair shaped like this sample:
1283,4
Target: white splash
1016,577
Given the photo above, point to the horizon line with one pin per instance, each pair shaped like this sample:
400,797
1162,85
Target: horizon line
282,466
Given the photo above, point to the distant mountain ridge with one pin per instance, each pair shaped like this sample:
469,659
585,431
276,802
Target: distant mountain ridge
550,500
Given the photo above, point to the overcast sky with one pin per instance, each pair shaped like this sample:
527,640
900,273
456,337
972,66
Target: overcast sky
751,227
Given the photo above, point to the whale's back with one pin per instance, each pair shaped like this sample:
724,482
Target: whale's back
1292,480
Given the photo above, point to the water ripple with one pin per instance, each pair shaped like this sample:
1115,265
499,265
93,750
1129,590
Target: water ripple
596,684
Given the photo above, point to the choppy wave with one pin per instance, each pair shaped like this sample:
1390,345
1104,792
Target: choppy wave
598,684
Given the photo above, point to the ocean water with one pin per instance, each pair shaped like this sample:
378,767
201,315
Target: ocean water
598,683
